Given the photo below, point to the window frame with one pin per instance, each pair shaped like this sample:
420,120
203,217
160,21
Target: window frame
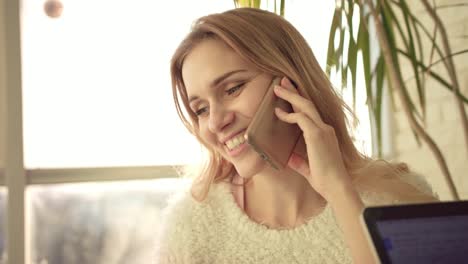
15,178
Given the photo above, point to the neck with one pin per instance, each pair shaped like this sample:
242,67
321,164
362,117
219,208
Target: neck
281,198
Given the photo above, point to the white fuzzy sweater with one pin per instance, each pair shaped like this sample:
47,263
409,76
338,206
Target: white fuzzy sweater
218,231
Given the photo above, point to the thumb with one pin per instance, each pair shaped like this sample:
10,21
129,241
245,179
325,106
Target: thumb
299,164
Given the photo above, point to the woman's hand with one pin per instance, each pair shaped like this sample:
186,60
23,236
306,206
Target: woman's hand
325,169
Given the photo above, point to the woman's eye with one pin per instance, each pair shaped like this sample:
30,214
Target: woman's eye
200,111
234,89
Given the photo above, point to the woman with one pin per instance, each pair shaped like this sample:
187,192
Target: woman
241,210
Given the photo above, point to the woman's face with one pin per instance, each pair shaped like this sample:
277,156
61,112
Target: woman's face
224,92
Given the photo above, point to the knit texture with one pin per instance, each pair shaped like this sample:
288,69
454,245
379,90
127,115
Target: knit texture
218,231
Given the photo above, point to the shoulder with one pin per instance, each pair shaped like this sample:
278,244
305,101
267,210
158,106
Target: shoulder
382,189
173,226
182,206
185,223
181,213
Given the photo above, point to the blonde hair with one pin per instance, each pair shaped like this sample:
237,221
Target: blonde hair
274,46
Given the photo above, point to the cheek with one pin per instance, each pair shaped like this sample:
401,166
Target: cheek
205,134
252,102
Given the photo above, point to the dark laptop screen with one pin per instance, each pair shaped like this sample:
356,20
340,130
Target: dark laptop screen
419,233
425,240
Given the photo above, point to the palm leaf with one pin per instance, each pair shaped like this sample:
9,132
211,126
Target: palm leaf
413,57
380,75
363,46
331,52
436,77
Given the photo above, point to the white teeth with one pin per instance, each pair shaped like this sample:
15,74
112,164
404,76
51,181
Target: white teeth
235,142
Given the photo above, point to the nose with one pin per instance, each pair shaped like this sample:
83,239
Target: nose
220,118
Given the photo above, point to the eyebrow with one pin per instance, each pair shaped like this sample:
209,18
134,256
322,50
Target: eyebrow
217,81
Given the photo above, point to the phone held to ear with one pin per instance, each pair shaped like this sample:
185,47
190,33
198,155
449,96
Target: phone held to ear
273,139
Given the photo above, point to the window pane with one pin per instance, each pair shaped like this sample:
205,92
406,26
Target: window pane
97,223
97,90
97,86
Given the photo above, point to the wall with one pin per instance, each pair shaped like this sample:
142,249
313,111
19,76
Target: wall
443,119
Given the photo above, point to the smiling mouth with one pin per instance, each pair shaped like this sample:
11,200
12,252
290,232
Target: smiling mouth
235,142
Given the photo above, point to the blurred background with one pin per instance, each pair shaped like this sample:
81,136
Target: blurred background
90,143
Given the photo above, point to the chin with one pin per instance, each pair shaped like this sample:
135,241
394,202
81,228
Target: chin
250,167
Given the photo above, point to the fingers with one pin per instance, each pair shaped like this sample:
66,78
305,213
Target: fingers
295,118
298,164
288,92
306,124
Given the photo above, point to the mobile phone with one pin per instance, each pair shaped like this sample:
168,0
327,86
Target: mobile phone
274,140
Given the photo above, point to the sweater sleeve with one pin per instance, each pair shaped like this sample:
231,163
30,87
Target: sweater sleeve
174,235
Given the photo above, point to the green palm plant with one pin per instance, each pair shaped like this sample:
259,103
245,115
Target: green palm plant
402,37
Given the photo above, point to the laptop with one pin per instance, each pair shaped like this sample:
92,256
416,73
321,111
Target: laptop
418,233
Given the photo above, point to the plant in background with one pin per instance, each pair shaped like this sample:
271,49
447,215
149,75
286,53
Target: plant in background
402,37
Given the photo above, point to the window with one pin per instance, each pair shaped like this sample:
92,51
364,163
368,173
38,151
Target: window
96,83
97,90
